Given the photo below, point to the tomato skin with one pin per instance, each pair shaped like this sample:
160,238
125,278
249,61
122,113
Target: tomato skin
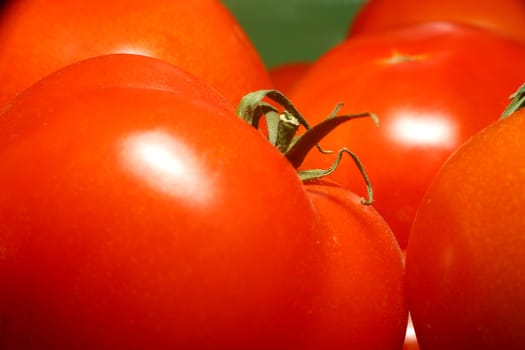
120,70
464,259
286,75
201,36
128,221
432,86
362,303
506,17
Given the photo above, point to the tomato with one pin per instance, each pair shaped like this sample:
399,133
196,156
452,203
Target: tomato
432,86
286,75
144,214
38,37
362,303
130,221
464,260
506,17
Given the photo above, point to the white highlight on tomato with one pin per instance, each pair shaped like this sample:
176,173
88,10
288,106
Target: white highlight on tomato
133,51
423,130
166,165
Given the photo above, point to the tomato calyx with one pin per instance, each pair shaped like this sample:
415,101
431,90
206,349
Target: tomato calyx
517,102
283,125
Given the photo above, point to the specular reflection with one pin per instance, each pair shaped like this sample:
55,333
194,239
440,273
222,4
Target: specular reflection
133,50
166,164
423,130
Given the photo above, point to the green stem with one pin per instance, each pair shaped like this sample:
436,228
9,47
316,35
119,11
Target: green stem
303,144
287,127
312,174
283,127
517,102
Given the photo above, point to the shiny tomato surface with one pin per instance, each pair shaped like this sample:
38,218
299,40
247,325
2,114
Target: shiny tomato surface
286,75
506,17
121,70
38,37
432,86
464,260
362,302
130,220
139,212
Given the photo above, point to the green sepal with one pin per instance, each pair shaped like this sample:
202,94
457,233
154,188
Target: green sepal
517,102
283,125
313,174
305,142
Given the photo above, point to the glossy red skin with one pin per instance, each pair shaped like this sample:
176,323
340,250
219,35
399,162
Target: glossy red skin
107,243
506,17
465,257
38,37
362,302
102,249
120,70
74,286
286,75
450,88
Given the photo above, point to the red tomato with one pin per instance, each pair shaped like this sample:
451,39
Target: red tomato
465,257
506,17
38,37
432,86
285,76
130,220
361,304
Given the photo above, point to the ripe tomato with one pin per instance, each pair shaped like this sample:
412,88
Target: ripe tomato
465,257
38,37
506,17
130,220
285,76
362,301
431,86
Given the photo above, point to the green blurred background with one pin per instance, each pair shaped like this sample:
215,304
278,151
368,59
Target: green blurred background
293,30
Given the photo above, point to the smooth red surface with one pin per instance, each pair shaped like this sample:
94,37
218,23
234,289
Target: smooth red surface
138,212
362,302
120,70
285,76
38,37
130,220
506,17
431,86
465,257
